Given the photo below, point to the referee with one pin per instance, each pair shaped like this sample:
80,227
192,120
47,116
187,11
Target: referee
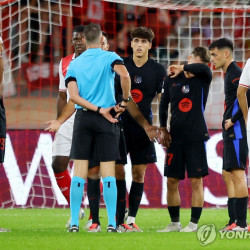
90,80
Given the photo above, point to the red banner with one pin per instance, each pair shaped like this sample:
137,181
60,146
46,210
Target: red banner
27,178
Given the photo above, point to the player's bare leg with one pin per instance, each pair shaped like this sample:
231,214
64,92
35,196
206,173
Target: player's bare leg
135,194
241,199
94,194
121,198
197,204
227,177
173,195
173,201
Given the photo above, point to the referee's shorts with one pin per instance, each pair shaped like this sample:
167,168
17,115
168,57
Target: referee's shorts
92,133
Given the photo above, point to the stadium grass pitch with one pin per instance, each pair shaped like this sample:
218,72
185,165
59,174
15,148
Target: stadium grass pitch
45,229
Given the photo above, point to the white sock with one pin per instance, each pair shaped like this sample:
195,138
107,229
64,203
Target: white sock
193,225
176,223
130,220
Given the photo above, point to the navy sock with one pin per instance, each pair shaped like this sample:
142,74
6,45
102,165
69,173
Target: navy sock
135,196
241,211
195,214
94,195
231,210
174,212
110,198
121,201
76,193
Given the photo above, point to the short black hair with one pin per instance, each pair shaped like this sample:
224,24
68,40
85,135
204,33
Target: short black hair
79,28
144,33
222,43
203,53
105,35
92,32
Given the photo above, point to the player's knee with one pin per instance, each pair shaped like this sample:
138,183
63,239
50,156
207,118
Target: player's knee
138,176
196,183
238,176
119,172
172,184
94,173
227,177
60,164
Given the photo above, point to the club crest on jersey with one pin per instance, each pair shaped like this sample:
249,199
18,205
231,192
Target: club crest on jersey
185,89
137,79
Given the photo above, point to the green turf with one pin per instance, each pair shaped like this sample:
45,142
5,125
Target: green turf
44,229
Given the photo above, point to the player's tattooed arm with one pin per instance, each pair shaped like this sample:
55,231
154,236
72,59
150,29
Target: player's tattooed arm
165,138
151,131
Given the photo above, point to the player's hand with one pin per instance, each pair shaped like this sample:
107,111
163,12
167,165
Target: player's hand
165,137
54,126
153,133
174,70
228,124
120,108
188,74
105,112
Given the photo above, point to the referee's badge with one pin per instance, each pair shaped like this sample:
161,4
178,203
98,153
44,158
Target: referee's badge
137,79
185,89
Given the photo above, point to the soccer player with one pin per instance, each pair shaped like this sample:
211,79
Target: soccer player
186,89
90,80
234,136
62,143
147,79
2,116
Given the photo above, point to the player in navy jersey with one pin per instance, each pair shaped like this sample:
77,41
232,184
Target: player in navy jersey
234,136
147,77
2,116
186,89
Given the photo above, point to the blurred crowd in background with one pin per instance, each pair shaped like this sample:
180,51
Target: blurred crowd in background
176,31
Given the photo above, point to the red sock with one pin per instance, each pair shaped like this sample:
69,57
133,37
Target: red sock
63,180
90,216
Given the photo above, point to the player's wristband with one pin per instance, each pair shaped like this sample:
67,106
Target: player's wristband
98,110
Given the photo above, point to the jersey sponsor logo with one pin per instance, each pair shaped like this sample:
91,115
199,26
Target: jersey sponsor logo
185,89
185,105
137,79
137,95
